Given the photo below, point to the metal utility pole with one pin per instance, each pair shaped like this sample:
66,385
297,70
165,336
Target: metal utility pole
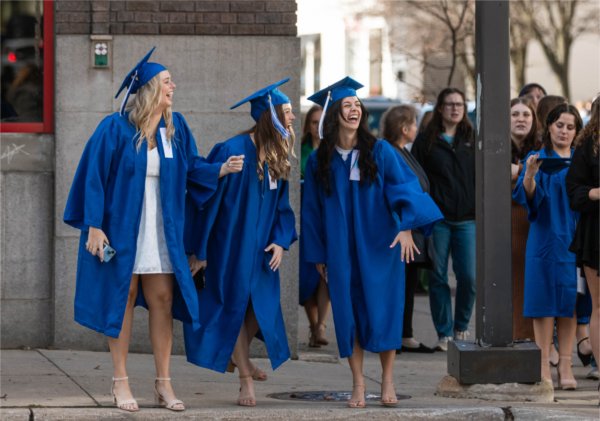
493,358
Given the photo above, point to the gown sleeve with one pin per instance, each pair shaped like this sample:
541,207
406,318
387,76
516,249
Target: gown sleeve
202,175
284,230
200,219
403,192
579,182
532,206
312,238
85,204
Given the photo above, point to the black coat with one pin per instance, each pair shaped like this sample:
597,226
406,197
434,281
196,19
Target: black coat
583,176
451,173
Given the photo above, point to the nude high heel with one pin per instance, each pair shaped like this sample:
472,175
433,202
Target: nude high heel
129,405
172,405
565,384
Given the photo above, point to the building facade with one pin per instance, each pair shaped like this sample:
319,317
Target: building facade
218,52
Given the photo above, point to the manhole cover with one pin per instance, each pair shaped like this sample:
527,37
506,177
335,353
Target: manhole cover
326,396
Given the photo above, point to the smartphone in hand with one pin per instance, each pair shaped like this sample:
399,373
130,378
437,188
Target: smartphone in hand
109,253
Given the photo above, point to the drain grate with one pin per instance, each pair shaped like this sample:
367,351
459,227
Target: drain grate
326,396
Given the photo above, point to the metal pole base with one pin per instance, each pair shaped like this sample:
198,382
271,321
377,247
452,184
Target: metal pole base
470,363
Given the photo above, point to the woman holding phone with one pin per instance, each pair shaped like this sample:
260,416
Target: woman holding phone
129,193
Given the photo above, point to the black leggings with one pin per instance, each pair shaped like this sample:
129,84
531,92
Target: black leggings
412,279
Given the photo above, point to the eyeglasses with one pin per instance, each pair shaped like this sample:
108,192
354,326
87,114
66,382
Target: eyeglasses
457,105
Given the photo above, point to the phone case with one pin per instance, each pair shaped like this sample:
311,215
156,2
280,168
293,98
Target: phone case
109,253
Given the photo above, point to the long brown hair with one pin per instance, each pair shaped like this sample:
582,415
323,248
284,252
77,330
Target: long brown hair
592,129
331,133
276,148
530,142
553,116
395,119
464,129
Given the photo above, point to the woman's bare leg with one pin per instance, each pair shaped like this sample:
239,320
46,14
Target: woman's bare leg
357,400
388,392
543,329
119,348
158,292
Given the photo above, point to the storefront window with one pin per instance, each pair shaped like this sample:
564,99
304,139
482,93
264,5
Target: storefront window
27,65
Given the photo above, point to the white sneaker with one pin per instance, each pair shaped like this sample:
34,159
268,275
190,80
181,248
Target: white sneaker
461,335
593,374
442,344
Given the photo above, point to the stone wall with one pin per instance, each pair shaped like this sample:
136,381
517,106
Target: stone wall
256,46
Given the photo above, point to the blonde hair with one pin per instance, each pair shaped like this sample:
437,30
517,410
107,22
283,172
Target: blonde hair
141,109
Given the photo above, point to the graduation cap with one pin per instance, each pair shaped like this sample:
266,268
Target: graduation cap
141,74
266,99
340,89
550,165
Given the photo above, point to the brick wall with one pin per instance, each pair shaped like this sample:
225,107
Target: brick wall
176,17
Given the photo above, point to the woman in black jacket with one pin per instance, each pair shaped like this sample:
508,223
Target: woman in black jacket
584,195
446,152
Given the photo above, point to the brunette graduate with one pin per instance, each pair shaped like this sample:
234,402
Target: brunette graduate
360,201
240,236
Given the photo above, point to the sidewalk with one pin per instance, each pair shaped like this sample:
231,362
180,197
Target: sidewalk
74,385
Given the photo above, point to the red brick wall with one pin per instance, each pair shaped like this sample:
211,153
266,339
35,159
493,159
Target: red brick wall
176,17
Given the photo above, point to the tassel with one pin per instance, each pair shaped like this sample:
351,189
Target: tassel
322,120
133,79
278,126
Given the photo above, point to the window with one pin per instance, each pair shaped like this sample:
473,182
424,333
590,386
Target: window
27,66
310,73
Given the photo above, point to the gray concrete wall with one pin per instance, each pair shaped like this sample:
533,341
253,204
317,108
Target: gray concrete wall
26,213
211,73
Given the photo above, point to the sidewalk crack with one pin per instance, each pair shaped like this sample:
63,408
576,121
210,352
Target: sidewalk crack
68,377
508,415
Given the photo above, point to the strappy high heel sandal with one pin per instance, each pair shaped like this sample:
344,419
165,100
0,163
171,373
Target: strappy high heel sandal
389,401
172,405
357,403
586,359
257,374
319,334
246,400
129,405
565,384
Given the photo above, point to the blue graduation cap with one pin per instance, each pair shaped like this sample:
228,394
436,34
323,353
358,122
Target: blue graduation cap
141,74
341,89
266,99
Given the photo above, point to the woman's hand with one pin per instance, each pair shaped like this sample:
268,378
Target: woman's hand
277,256
533,166
95,242
322,269
234,163
594,194
195,264
408,247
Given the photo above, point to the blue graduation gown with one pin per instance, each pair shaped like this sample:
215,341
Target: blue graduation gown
550,271
231,232
107,193
351,231
309,277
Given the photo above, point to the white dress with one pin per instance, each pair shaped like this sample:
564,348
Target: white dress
152,255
